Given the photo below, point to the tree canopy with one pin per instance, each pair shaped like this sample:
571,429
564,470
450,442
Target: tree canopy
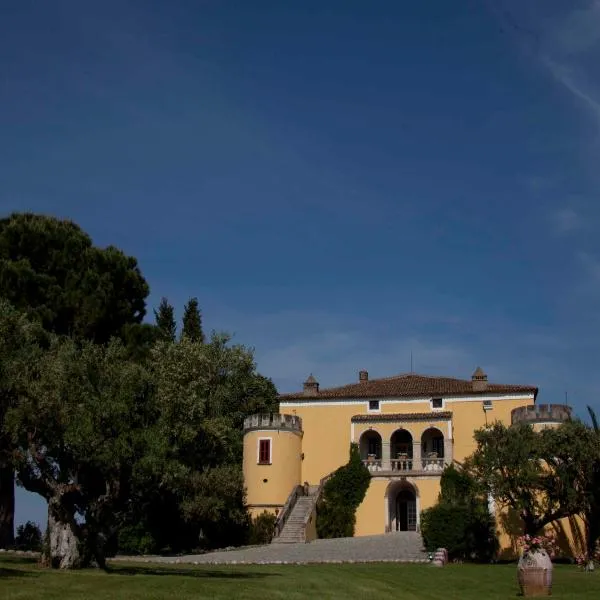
542,476
50,270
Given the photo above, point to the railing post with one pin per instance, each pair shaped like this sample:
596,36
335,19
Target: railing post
385,456
417,464
448,451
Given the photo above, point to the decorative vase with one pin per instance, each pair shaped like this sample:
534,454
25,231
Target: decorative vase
534,573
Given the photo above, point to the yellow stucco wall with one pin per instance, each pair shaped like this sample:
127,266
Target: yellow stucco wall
281,475
328,429
372,516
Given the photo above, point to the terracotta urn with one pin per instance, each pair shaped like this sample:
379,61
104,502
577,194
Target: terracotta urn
534,573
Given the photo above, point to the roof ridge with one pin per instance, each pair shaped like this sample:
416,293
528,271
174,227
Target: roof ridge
399,376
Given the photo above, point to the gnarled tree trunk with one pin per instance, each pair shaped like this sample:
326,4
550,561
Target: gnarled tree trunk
63,547
7,507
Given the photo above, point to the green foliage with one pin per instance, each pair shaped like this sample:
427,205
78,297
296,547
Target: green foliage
539,475
50,270
29,537
457,486
342,495
192,492
192,322
79,432
165,321
262,529
21,342
135,539
461,521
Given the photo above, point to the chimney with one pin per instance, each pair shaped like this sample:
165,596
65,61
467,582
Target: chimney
311,386
479,379
363,376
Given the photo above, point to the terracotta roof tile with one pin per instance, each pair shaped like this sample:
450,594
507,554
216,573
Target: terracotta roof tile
409,385
429,416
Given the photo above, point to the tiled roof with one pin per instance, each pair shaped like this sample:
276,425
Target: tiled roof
409,385
429,416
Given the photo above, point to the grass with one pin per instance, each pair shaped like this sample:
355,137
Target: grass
21,579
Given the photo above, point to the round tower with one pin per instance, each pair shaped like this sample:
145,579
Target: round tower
541,416
272,460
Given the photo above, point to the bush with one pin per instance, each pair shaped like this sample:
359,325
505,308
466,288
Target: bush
134,539
461,521
29,537
342,495
262,529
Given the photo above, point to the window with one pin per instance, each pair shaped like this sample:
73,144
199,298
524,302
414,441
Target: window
436,403
373,404
264,452
487,405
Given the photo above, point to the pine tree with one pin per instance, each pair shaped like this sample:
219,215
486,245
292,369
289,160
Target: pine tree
192,321
165,320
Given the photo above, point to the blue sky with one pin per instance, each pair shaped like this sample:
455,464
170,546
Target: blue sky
339,182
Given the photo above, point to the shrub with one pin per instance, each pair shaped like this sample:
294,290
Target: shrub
342,495
134,539
29,537
262,529
461,521
467,533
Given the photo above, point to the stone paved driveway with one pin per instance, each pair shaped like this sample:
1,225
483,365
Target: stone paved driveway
401,547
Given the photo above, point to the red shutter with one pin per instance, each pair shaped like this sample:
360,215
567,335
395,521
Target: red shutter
264,452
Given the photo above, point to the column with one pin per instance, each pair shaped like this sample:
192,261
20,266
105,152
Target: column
417,464
448,451
386,465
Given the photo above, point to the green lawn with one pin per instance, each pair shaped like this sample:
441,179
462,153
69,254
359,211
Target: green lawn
22,579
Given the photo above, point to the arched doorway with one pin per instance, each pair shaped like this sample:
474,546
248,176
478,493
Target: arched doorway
370,449
401,450
402,503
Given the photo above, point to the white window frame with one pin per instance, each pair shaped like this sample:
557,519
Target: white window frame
258,441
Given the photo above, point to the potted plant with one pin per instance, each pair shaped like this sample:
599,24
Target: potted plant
534,570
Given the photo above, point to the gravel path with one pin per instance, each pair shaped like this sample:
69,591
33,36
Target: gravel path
402,547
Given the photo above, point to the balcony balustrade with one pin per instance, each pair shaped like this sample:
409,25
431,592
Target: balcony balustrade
406,465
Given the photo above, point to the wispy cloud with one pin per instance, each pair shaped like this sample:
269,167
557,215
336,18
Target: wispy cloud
566,221
565,43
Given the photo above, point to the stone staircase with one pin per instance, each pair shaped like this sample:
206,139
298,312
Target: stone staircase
293,531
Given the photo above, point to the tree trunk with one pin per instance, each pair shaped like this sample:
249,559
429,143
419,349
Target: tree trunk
63,548
7,507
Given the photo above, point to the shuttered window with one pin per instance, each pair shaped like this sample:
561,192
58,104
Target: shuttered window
264,452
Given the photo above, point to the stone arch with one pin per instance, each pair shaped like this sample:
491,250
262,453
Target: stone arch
432,449
401,450
370,445
402,507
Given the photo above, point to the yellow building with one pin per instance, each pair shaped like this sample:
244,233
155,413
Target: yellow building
407,427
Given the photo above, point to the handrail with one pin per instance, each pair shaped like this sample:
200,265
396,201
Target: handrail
282,517
317,496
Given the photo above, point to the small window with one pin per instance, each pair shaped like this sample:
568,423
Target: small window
264,452
487,405
436,403
373,404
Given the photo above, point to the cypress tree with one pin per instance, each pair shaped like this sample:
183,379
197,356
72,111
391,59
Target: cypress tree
165,321
192,321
